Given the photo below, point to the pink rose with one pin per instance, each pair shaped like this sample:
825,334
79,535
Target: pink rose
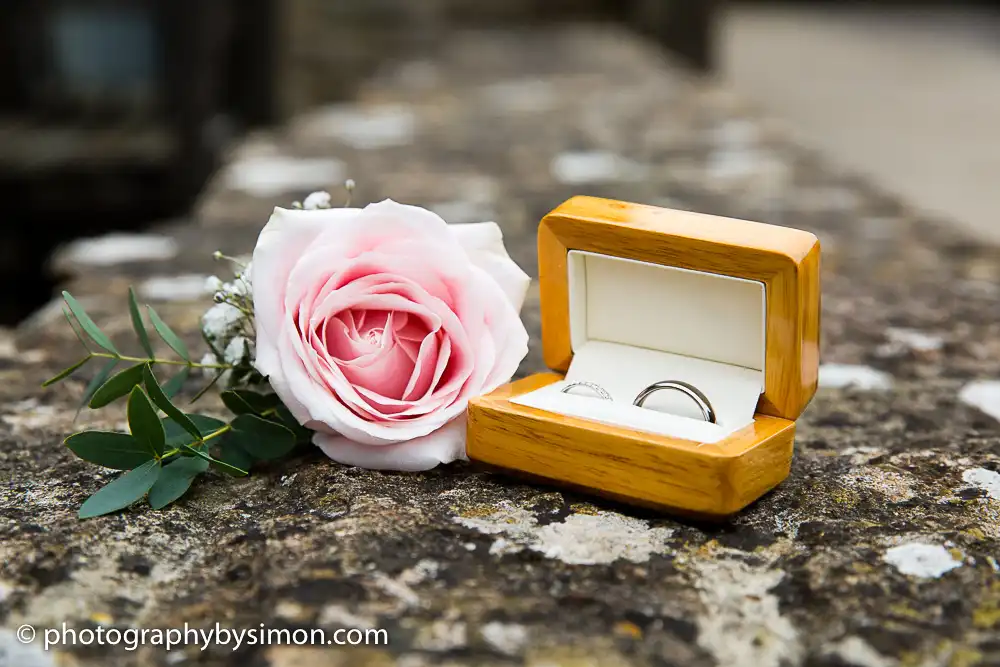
376,326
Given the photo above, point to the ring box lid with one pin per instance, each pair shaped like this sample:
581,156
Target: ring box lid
739,293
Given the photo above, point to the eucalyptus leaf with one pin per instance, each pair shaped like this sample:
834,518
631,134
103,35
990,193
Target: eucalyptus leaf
88,324
118,386
177,436
236,404
174,385
98,381
260,438
221,465
204,390
109,449
174,481
288,420
76,329
168,335
66,372
241,401
137,324
231,453
144,422
123,491
162,402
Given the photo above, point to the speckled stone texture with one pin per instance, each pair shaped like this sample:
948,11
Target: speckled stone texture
464,567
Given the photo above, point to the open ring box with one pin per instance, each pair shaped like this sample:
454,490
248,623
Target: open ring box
632,295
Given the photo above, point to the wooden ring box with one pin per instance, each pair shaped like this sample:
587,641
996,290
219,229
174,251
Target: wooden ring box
634,294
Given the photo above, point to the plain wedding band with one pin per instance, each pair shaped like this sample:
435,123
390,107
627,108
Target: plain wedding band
593,386
707,411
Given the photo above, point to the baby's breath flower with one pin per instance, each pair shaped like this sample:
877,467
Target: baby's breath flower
317,200
213,284
208,360
237,288
236,352
221,320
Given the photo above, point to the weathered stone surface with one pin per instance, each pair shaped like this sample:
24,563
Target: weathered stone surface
463,567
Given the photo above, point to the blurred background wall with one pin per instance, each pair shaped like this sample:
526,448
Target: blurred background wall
113,113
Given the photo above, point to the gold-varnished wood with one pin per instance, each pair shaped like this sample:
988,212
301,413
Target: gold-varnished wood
709,480
680,476
785,260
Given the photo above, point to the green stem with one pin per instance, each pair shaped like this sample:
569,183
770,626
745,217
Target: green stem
222,430
171,362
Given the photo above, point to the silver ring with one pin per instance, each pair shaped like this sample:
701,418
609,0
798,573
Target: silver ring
593,386
707,411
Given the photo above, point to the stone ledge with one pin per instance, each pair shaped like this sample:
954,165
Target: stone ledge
464,567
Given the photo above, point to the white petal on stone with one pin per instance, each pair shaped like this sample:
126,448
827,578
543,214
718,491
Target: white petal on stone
583,167
366,129
918,559
119,249
269,176
840,376
915,340
984,394
190,287
987,480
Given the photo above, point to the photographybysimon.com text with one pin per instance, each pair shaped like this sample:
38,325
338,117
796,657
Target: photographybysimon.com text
131,639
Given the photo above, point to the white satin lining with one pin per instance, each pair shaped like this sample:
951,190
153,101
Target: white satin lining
635,323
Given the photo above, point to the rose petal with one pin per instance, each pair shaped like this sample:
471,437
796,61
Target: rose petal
279,247
444,445
483,242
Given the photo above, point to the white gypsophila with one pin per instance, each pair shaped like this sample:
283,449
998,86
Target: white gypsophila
236,288
208,360
235,352
245,274
317,200
213,284
221,321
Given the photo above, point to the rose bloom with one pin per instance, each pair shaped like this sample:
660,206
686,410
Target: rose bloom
376,326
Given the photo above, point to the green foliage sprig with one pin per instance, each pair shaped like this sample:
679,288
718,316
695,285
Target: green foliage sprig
163,455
